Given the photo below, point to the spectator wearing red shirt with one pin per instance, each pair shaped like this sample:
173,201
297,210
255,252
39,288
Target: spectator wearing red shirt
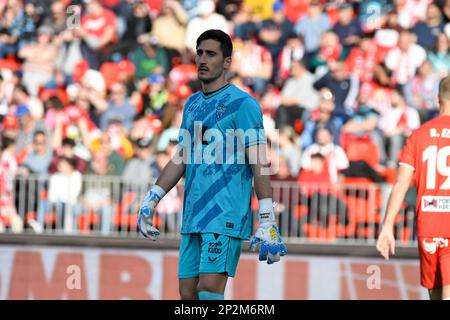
98,31
254,63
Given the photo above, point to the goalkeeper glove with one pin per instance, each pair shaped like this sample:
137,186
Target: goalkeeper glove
147,211
267,237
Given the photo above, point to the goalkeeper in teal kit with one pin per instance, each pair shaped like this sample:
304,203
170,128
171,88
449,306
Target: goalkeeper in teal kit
218,178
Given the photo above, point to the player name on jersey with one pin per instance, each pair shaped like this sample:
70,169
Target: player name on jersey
443,133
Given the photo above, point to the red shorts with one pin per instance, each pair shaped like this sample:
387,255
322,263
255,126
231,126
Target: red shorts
434,262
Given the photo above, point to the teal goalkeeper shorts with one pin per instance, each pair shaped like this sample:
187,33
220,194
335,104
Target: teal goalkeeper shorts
208,253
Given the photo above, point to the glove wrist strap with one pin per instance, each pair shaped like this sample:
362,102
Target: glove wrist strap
158,191
266,213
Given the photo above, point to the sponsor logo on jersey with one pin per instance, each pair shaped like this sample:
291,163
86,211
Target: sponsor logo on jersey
435,204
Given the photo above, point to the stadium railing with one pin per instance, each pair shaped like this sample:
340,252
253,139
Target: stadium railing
306,213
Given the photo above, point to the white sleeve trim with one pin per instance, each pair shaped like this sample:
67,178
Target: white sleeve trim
407,165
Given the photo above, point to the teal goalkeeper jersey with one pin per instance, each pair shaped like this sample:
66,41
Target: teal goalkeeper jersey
215,131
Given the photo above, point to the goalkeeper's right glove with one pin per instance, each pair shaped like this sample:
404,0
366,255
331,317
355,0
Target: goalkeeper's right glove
147,211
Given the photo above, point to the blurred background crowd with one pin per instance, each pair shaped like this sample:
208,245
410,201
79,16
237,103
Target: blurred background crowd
97,87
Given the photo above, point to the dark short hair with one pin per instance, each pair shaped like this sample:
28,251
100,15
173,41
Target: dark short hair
39,132
54,102
5,142
218,35
68,142
317,155
71,161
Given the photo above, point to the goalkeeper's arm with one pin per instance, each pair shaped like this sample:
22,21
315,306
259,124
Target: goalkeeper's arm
267,236
169,177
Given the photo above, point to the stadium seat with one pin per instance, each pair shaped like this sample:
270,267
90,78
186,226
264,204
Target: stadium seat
360,148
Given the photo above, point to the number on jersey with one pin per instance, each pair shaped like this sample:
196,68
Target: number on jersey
437,163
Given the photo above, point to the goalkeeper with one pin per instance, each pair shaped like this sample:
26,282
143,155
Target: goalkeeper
217,215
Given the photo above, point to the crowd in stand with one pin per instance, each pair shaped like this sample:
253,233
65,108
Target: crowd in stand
98,86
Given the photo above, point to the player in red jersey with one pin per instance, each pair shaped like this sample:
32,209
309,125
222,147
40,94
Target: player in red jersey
426,159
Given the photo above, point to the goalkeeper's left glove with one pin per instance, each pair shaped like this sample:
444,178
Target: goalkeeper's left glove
147,211
267,236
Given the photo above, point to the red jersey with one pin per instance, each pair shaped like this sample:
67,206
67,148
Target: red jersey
427,151
96,25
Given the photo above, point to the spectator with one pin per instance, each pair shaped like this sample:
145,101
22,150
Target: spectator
119,141
64,190
149,58
116,162
293,50
440,57
119,108
322,116
411,11
298,97
363,58
70,55
206,19
364,121
139,171
98,32
288,142
396,124
39,61
343,86
254,63
335,157
17,28
242,21
347,27
317,171
311,27
137,25
428,30
57,18
67,150
53,106
27,128
158,95
170,26
39,159
330,51
99,193
274,33
74,124
8,167
404,59
421,91
21,97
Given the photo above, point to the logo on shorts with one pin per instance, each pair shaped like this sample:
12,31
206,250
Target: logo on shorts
435,243
215,247
212,260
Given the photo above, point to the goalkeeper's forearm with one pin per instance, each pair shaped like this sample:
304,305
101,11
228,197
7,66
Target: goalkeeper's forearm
170,175
256,155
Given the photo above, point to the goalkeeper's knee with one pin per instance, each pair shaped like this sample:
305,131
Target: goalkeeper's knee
206,295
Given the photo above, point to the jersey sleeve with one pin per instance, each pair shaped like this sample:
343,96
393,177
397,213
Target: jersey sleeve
184,138
249,119
408,154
